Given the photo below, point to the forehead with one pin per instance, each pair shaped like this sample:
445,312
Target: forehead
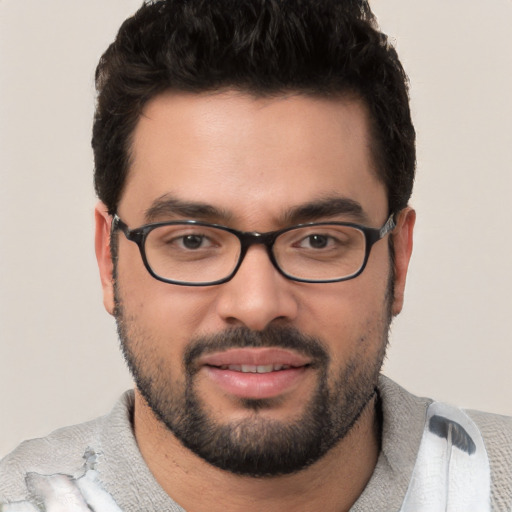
252,157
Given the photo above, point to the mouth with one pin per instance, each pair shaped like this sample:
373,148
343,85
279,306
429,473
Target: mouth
256,373
251,368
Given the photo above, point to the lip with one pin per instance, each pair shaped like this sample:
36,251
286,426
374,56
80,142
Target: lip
255,356
223,369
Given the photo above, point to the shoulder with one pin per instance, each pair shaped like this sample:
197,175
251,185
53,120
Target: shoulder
67,451
406,418
495,428
60,452
496,432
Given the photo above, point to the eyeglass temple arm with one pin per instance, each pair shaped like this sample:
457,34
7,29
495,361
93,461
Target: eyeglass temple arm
389,226
117,223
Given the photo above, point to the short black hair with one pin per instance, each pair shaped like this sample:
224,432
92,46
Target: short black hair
326,48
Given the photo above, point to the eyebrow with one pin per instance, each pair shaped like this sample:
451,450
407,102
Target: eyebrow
326,208
168,206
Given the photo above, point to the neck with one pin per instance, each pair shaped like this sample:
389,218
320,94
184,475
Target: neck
331,484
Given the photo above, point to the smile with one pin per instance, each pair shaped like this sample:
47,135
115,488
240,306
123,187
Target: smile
251,368
256,373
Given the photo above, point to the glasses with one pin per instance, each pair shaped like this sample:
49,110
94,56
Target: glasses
194,253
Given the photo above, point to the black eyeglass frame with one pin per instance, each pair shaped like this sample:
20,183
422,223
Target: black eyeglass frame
248,238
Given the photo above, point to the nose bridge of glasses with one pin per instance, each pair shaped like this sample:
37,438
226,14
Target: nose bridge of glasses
248,239
255,237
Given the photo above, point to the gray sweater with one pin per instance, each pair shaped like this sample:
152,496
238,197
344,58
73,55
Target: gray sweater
102,455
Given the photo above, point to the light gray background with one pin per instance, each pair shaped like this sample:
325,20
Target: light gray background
58,348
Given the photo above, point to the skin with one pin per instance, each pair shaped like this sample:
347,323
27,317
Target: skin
255,159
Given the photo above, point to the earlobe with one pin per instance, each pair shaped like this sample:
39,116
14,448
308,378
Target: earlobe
103,254
402,243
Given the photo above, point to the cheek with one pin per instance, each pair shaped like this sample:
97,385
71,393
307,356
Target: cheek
351,317
165,313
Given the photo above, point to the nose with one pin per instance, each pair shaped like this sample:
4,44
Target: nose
258,294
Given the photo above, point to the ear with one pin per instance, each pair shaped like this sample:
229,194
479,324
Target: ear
103,255
402,241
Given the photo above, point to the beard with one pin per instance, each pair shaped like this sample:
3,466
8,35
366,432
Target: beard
256,445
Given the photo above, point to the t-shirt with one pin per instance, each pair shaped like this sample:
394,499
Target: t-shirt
97,465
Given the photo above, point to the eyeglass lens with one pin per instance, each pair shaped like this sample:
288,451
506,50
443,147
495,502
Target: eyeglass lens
202,254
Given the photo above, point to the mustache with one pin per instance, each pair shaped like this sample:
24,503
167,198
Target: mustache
243,337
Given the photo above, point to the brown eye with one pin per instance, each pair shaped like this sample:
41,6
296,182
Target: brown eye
317,241
192,241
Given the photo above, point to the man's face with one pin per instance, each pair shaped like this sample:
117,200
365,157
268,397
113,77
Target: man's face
260,375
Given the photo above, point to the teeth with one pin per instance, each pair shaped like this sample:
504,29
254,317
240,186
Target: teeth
265,369
252,368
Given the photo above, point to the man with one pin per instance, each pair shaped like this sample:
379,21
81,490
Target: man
254,162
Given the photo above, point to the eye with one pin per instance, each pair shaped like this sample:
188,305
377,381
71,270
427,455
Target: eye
180,238
316,241
192,241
